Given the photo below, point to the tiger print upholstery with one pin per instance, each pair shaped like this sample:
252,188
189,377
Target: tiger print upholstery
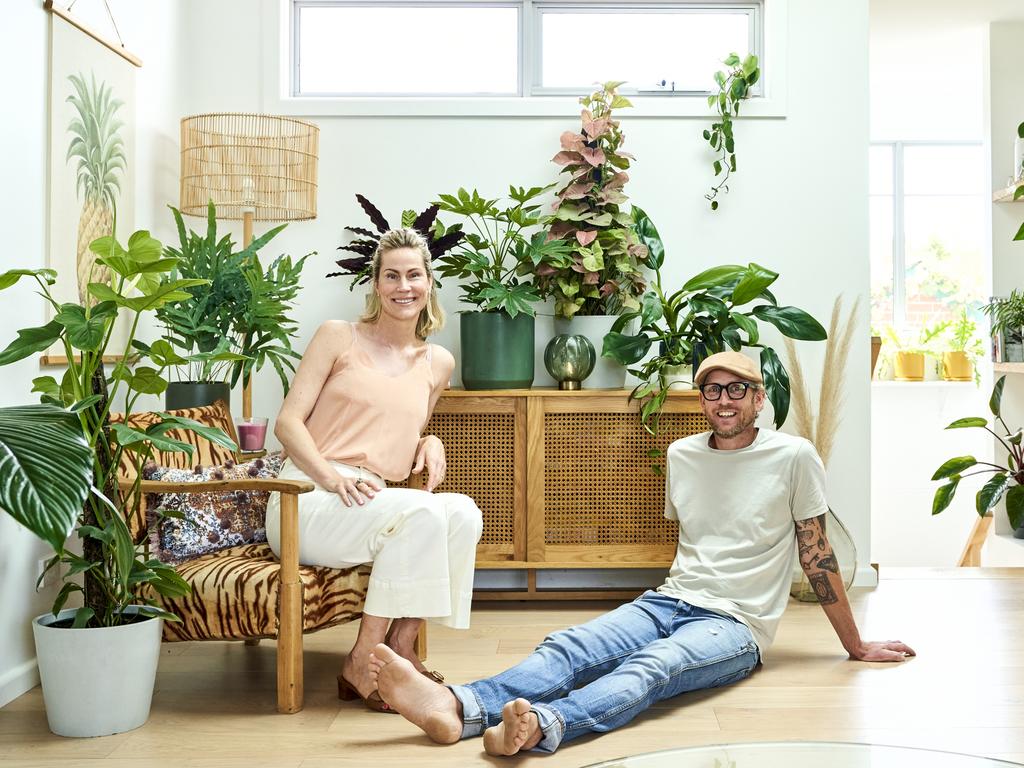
235,592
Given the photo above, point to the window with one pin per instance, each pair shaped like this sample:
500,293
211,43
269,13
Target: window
927,213
514,48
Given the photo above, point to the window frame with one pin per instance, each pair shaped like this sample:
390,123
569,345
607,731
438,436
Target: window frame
899,234
278,67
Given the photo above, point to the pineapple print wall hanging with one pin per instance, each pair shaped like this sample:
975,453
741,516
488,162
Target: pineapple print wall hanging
98,153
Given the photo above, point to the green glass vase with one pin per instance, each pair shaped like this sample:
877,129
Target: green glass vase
569,359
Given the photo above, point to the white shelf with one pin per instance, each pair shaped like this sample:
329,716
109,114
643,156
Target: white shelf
1008,367
1002,550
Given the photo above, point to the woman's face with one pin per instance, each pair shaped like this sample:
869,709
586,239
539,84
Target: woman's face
403,284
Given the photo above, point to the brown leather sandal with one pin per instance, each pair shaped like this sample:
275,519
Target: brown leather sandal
348,692
434,675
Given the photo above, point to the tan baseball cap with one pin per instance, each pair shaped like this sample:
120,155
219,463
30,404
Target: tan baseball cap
734,362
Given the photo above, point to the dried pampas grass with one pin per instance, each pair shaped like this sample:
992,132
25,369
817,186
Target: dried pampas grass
821,429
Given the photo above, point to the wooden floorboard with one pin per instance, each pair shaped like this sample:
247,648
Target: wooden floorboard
215,702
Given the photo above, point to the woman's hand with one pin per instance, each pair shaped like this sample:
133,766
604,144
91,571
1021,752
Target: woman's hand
349,489
430,454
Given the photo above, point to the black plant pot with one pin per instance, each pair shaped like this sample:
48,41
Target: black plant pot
192,394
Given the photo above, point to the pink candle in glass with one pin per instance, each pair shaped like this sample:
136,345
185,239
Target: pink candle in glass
252,434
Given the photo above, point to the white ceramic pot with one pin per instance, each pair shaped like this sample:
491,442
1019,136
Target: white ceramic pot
607,373
679,376
96,681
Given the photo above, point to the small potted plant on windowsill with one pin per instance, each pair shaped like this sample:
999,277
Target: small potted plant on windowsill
494,264
1007,316
963,350
908,351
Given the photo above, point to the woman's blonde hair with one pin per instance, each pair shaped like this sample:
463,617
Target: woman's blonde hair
431,319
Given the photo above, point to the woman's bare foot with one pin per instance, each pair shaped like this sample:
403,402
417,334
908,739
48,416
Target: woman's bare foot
519,729
429,706
358,674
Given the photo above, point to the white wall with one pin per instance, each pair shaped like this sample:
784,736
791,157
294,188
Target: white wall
797,205
151,33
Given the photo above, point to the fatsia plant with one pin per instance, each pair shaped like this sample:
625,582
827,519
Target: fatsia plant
733,87
439,239
492,261
708,314
600,274
1006,479
59,460
234,317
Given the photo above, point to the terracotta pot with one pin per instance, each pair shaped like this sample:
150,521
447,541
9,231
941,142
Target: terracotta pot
957,366
876,347
909,366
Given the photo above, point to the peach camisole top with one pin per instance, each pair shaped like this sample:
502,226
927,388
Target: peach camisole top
367,418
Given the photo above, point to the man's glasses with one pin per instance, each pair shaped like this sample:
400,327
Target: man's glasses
737,390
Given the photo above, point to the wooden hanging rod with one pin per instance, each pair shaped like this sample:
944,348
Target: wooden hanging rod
56,10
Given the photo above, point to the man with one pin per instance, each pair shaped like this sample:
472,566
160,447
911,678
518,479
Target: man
741,495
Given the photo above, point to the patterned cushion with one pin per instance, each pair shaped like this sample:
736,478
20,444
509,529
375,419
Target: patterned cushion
235,594
209,521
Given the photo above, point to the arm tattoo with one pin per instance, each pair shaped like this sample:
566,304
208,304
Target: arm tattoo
817,558
823,588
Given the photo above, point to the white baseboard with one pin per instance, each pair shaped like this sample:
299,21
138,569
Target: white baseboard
18,680
866,576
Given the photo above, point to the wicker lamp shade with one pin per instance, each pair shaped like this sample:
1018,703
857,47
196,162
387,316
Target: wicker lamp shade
262,164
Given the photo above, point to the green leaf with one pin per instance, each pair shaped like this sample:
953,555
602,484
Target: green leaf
776,384
792,322
944,495
148,381
625,349
45,469
30,341
995,402
714,277
82,617
754,280
748,325
212,434
971,421
1015,506
991,492
954,466
650,309
85,333
12,276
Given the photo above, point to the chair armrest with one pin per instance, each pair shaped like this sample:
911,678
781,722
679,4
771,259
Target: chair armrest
158,486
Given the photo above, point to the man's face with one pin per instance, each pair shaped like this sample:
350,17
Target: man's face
727,417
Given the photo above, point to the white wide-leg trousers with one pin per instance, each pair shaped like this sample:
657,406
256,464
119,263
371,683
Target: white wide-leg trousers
422,545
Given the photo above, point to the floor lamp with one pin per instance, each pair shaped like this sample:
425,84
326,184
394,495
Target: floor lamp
254,168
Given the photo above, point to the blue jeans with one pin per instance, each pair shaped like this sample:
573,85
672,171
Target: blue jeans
602,674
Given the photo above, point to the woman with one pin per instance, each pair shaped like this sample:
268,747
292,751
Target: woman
360,400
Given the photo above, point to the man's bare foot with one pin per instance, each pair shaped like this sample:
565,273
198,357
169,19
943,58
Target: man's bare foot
519,729
429,706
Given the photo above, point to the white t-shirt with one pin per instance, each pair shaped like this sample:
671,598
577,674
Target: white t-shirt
736,512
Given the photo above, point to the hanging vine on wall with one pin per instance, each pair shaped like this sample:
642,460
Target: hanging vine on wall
733,87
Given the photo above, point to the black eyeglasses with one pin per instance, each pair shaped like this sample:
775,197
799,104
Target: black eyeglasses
737,390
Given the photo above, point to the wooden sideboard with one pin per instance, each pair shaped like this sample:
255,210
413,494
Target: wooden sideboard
564,479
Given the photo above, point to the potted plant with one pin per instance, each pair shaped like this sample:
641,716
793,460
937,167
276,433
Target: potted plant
439,239
1006,477
228,325
733,87
706,315
963,350
907,351
494,263
97,662
1007,316
599,275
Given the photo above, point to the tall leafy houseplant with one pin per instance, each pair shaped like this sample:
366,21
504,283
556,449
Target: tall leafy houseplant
439,240
600,273
61,458
1006,478
708,314
733,87
234,317
494,263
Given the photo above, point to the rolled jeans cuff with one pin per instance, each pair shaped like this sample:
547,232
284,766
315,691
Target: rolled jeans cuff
473,720
551,728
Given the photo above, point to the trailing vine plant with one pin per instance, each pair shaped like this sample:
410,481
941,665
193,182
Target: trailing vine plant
733,87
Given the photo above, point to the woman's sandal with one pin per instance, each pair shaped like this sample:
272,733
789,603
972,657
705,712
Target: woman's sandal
434,675
348,692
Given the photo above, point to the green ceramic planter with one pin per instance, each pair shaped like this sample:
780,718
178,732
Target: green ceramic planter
497,350
192,394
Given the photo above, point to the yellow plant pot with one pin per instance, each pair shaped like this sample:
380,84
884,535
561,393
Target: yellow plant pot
956,366
909,366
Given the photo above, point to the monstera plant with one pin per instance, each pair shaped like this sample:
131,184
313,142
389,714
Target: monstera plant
710,313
